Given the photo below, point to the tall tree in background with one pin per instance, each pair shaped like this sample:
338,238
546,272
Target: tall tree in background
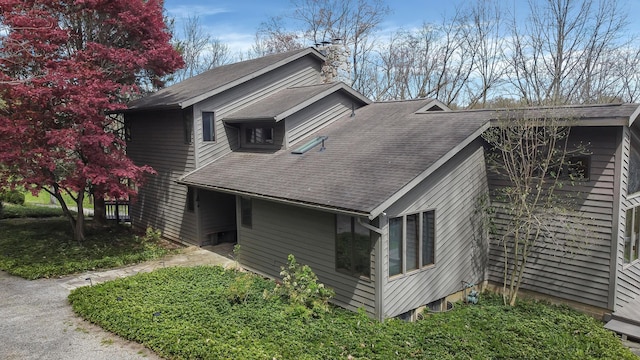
199,50
566,51
350,23
64,65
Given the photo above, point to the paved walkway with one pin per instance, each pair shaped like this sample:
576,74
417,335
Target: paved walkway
38,323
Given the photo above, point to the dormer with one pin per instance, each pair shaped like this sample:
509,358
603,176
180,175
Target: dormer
282,119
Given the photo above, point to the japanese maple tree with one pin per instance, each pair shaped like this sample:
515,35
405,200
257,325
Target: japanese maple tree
64,65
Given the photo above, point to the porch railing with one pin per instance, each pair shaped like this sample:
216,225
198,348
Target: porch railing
117,210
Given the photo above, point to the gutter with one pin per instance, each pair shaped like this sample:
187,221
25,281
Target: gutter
279,200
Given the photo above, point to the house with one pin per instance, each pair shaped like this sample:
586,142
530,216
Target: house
379,198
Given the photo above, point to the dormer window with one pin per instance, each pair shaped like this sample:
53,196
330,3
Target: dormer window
259,135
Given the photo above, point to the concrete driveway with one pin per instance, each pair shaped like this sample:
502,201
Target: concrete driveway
36,320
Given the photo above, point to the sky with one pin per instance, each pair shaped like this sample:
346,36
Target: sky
235,22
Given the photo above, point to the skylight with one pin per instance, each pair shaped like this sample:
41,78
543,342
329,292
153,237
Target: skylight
310,145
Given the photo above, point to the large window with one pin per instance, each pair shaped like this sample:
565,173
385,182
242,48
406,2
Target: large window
353,247
632,236
259,135
411,242
208,126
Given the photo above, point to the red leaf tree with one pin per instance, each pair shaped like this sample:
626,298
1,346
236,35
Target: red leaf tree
64,65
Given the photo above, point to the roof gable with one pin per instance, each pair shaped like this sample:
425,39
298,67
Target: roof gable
289,101
219,79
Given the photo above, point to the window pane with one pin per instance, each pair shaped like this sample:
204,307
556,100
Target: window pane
190,199
395,246
246,211
268,135
628,236
343,242
361,250
207,126
259,135
412,241
428,238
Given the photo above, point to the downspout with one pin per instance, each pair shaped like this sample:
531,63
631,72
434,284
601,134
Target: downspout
378,270
369,226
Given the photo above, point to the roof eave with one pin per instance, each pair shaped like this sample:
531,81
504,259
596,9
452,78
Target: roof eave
339,86
294,202
197,99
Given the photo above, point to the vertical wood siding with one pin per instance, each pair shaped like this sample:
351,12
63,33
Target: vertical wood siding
315,117
460,249
579,271
157,140
279,230
304,71
628,276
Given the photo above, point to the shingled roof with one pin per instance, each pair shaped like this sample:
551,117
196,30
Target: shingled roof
368,159
209,83
288,101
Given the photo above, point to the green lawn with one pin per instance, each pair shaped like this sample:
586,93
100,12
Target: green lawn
190,313
44,198
43,248
10,211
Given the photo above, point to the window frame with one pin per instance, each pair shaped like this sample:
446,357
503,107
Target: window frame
353,249
250,132
419,247
208,132
630,257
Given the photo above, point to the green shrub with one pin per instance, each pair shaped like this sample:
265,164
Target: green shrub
239,289
300,286
12,197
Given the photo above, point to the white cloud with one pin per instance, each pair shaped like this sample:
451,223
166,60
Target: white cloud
184,11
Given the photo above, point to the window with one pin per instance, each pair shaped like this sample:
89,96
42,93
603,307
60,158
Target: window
246,211
632,236
208,126
411,242
259,135
187,126
353,247
576,168
191,203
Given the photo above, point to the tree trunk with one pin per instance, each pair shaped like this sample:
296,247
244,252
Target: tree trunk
99,211
79,229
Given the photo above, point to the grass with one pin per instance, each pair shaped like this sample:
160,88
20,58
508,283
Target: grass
188,313
44,198
45,248
11,211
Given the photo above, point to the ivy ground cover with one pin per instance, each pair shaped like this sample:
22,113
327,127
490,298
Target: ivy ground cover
196,313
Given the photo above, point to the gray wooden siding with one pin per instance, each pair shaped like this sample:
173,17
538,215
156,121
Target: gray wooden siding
628,276
279,230
578,271
217,213
460,249
304,71
316,116
157,140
